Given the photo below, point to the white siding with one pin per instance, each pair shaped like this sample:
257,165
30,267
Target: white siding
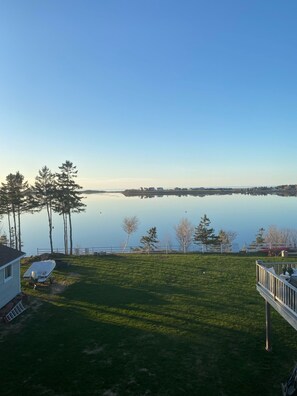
9,288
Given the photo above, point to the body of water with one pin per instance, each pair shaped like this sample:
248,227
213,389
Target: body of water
101,224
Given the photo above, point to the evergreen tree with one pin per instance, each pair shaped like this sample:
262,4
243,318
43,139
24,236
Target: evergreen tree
44,191
68,200
16,198
204,234
150,240
5,209
260,236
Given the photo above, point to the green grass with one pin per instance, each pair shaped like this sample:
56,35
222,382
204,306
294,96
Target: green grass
147,325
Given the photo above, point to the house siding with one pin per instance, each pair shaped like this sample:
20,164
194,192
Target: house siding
9,288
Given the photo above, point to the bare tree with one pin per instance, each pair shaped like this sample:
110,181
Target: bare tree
184,234
275,236
293,238
226,239
283,236
130,225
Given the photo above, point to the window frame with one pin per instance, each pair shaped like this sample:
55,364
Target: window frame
7,272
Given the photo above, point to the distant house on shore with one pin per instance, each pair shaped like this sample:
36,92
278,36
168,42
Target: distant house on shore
10,282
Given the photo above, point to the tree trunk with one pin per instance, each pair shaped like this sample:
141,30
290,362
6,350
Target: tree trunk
16,244
19,230
70,232
50,225
9,227
65,233
126,243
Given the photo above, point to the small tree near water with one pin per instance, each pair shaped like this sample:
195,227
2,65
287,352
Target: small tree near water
150,240
204,234
260,238
226,239
130,225
184,234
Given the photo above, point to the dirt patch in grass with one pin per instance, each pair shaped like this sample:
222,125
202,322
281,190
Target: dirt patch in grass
58,288
59,285
109,392
93,350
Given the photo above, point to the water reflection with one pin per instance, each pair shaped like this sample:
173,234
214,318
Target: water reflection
101,224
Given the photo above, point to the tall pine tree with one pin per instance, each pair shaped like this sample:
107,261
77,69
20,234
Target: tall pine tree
17,199
68,200
45,193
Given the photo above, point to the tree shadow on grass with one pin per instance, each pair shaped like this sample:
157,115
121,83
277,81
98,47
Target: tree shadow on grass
110,294
68,349
100,337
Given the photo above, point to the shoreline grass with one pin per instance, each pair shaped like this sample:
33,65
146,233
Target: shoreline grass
147,325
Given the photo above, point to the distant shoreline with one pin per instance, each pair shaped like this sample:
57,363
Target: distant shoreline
284,190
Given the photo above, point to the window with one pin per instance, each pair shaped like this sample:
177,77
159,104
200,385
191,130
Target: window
8,272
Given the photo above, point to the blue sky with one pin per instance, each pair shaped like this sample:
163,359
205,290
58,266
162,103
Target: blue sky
150,92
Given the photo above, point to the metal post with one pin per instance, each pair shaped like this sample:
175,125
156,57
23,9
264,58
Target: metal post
268,326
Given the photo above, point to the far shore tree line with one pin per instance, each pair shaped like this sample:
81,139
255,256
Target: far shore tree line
55,192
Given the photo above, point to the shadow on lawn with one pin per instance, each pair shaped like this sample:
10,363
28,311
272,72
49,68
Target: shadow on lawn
150,311
130,340
146,338
105,348
110,295
175,302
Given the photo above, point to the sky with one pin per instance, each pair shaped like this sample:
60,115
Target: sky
141,93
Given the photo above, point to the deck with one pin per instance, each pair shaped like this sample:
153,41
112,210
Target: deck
279,292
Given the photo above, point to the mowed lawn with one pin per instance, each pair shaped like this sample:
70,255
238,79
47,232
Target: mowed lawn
146,325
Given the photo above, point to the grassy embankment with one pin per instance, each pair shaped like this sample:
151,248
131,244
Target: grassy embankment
146,325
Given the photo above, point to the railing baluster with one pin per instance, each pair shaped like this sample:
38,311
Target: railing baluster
280,290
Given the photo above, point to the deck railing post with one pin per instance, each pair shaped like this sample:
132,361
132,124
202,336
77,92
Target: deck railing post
274,287
268,327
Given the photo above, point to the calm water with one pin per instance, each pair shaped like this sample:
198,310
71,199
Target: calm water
101,224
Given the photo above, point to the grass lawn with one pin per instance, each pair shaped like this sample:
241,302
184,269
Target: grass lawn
146,325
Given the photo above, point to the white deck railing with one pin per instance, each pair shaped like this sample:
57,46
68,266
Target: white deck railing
276,286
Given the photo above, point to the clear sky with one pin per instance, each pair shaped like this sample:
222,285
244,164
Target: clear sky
150,92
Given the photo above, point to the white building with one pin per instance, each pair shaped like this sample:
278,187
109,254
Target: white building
10,282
